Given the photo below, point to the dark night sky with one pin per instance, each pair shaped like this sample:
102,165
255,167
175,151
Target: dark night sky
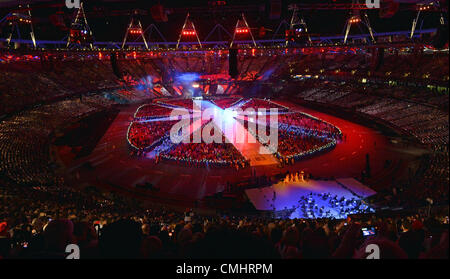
109,27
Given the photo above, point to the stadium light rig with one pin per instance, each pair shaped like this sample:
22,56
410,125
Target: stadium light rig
422,8
80,33
134,29
242,28
356,18
188,31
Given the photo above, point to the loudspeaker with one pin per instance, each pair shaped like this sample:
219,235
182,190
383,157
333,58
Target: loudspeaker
233,63
213,89
115,65
441,37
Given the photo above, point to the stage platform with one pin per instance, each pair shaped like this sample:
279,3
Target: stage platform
291,196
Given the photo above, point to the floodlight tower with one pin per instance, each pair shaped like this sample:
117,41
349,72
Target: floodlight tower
80,33
356,19
16,19
134,29
188,31
297,27
242,28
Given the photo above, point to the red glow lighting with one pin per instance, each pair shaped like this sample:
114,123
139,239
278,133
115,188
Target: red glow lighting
188,33
25,20
136,31
18,18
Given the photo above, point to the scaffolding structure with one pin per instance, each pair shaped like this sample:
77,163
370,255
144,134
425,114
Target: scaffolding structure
134,29
80,33
188,31
241,28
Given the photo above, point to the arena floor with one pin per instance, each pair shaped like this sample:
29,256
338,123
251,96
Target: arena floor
110,163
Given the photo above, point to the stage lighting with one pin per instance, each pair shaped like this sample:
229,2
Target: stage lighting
188,33
355,20
423,7
241,30
135,31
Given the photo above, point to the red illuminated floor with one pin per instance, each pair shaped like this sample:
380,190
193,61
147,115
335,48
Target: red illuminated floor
114,168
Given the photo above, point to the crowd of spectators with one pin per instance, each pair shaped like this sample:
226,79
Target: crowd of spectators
150,111
201,154
39,222
424,120
427,186
143,135
27,83
25,138
427,123
397,65
299,135
312,125
224,103
205,154
257,104
64,74
295,143
179,103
